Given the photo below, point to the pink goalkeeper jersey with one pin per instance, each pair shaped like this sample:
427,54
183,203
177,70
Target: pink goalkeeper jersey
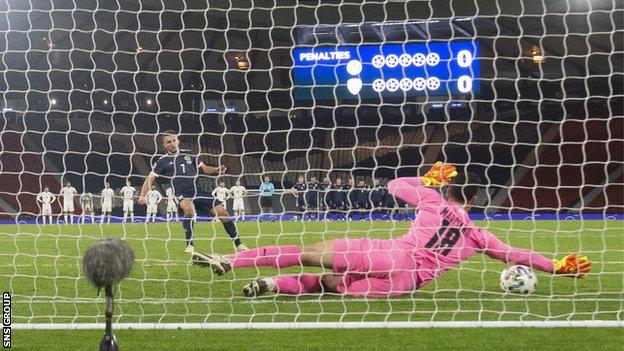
442,235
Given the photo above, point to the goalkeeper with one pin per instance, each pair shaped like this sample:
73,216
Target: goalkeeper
441,236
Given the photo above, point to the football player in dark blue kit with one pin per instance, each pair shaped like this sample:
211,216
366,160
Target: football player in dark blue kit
182,168
299,191
339,198
326,197
312,197
378,196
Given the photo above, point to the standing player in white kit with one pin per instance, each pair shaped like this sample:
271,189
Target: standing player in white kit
128,201
86,201
106,202
237,192
46,198
221,193
153,198
172,205
68,192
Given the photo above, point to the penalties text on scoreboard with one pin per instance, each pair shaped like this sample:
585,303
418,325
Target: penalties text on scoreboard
6,320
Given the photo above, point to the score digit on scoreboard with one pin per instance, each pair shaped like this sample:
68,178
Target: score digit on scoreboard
418,69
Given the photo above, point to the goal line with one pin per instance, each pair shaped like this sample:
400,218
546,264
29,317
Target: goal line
331,325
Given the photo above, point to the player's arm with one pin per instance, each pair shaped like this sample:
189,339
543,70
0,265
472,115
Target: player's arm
39,199
417,191
572,265
214,192
204,168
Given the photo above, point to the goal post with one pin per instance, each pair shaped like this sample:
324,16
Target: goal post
527,95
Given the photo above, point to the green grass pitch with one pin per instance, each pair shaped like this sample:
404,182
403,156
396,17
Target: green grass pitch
41,267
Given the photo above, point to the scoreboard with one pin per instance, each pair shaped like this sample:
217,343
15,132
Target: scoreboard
387,70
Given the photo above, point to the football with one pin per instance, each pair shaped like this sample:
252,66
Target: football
518,279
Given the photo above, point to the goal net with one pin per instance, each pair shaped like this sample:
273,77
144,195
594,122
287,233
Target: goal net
528,95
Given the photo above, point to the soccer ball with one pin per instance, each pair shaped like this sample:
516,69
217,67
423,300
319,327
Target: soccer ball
518,279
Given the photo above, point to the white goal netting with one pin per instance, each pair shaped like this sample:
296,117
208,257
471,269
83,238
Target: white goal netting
528,95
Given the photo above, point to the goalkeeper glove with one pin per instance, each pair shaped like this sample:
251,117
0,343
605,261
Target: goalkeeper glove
574,265
439,174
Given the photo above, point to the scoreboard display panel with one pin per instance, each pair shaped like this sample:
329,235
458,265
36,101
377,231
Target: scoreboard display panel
448,68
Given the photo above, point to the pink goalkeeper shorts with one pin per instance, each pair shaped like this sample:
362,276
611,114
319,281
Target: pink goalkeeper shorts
374,267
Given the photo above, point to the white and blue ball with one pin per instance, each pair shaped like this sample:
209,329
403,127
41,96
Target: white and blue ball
518,279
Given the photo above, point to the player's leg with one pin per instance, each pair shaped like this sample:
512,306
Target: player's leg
368,287
235,210
316,255
47,211
188,223
241,210
270,208
394,283
285,284
229,225
125,211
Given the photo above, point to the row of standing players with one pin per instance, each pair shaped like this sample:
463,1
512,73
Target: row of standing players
314,195
128,194
310,196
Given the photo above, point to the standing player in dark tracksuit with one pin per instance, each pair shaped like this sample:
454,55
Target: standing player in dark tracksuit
362,202
337,197
378,194
181,168
325,194
312,197
299,191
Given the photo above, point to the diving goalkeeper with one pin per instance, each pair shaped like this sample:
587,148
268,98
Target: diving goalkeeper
441,236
